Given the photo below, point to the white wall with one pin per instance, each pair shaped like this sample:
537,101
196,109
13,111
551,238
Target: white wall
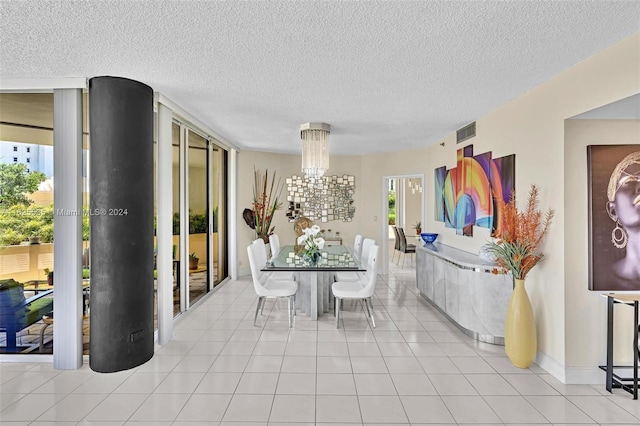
586,311
412,208
532,127
375,167
285,166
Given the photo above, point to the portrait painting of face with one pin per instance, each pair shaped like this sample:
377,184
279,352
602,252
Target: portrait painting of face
614,217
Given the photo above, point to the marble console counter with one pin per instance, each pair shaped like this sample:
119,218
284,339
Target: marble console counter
462,286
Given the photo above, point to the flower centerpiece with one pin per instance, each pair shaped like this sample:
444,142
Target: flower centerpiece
311,244
517,250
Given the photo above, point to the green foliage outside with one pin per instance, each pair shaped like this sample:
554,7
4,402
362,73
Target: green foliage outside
16,181
19,222
21,219
392,208
197,222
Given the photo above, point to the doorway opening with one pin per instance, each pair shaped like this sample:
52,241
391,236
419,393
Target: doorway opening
402,207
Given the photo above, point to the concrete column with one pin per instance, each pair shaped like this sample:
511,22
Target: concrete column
121,122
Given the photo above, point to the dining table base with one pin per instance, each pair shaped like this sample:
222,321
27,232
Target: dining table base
314,296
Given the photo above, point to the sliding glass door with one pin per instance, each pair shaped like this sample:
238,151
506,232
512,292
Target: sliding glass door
199,192
176,187
218,236
26,221
198,245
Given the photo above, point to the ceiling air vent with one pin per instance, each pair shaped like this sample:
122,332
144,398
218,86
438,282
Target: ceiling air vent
466,132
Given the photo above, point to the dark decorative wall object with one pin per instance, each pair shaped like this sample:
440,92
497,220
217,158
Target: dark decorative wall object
464,193
325,199
121,207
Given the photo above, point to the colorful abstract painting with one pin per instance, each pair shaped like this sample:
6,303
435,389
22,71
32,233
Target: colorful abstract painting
464,194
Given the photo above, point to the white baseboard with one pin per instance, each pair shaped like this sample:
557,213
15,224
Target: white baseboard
552,366
570,375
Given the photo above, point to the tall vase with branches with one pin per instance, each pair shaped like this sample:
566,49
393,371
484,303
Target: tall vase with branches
266,201
517,250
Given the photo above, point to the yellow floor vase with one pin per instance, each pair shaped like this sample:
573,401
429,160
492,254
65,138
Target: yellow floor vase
520,339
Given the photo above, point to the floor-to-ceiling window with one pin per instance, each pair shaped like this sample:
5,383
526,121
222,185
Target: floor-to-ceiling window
199,217
86,229
176,250
198,243
218,172
26,222
199,167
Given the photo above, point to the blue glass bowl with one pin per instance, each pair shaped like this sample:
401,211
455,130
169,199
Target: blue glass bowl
428,237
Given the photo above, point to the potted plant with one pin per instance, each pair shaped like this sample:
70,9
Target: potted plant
266,194
517,250
418,227
193,261
49,275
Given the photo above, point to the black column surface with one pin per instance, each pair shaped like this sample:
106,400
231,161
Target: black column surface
121,217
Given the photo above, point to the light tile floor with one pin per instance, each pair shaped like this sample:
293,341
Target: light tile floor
414,368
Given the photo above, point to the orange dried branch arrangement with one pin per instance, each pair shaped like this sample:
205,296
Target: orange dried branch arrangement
520,236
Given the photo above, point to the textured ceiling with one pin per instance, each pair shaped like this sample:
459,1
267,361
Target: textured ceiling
387,76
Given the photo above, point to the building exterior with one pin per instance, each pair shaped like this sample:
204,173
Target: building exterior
37,158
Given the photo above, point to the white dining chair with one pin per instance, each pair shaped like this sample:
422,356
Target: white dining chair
362,289
367,243
274,242
357,245
266,286
278,275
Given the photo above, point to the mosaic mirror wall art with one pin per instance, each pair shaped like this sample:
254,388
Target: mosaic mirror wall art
325,199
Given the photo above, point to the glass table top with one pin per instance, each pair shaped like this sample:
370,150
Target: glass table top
334,258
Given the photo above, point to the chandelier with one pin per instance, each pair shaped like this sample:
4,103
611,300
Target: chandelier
415,185
315,148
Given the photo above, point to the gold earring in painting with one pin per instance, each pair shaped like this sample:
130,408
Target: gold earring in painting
621,240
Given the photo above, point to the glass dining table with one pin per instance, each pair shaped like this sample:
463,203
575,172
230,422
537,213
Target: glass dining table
314,281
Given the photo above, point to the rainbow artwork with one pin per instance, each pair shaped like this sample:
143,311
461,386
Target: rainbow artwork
464,193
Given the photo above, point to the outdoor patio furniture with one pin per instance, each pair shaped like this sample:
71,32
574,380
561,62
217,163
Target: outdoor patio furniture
17,312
